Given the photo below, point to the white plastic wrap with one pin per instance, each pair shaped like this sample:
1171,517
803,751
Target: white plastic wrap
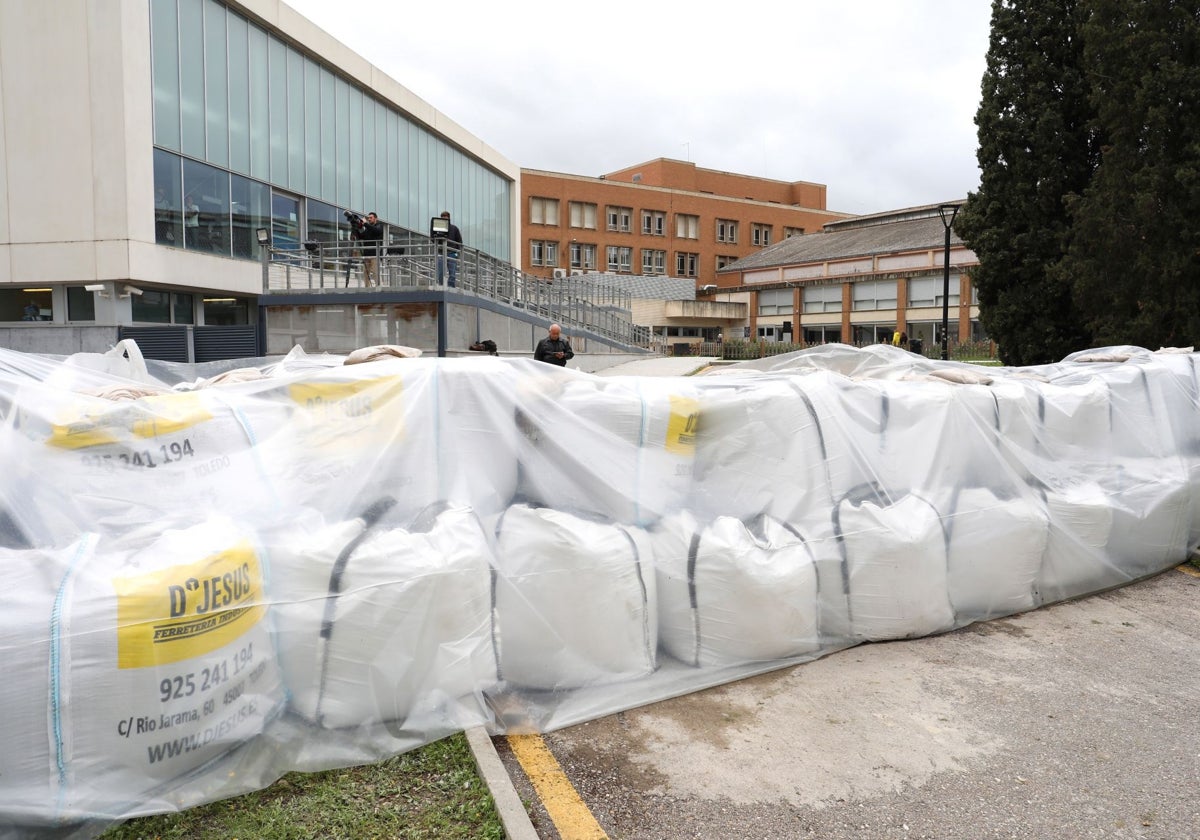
397,549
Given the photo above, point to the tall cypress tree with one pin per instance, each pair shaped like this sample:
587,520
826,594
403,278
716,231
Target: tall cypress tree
1133,258
1035,147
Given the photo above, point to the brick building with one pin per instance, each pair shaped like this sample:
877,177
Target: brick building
662,218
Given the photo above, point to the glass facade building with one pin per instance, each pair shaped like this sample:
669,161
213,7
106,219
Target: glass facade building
251,132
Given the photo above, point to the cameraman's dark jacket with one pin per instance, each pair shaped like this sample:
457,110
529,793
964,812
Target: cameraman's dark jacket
547,347
370,234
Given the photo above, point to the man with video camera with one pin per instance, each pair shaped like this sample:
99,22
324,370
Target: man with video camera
369,232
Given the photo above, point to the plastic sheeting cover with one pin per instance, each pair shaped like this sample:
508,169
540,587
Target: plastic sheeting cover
217,574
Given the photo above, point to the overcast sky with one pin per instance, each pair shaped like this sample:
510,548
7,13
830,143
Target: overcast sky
874,98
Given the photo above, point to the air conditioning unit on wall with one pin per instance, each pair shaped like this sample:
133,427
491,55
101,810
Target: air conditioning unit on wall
560,273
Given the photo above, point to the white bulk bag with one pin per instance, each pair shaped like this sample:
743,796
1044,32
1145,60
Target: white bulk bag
1141,422
1076,561
1151,505
29,762
357,434
383,624
575,600
621,448
477,438
995,552
154,662
1075,415
895,568
1182,396
733,593
122,464
758,448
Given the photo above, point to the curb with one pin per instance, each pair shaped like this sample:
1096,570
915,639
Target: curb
513,816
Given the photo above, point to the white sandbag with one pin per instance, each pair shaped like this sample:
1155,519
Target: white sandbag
121,464
731,593
576,600
896,576
995,552
1141,397
477,438
29,774
1076,561
758,449
620,448
1075,414
357,434
1005,409
151,663
383,624
1181,394
1151,507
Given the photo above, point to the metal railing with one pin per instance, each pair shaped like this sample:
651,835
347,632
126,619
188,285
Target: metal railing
338,267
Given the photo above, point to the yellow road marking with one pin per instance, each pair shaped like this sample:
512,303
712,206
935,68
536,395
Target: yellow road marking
1188,570
562,802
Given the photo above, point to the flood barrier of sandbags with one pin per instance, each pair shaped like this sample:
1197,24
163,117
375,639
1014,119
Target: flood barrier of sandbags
216,574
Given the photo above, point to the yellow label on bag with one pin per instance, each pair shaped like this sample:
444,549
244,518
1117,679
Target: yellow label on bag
681,428
346,400
188,610
169,413
147,417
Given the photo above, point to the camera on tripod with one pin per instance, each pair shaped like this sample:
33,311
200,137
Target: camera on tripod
354,219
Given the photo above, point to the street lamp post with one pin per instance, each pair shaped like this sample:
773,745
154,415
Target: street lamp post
947,212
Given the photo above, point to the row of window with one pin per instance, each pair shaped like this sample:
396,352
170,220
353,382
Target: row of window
150,307
619,258
583,215
923,292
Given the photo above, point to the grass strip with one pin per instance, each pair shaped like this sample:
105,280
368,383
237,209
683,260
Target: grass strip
427,793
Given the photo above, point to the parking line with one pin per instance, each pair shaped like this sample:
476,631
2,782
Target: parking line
562,802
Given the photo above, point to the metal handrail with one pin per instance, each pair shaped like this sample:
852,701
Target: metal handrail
334,267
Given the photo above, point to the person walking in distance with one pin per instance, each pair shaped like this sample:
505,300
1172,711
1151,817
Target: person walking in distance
554,348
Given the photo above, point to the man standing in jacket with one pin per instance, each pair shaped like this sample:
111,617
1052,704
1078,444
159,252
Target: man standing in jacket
554,348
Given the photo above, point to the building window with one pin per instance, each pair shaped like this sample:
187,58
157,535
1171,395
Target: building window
152,307
583,255
926,292
727,230
823,298
543,211
686,265
775,302
543,253
26,305
583,215
653,261
789,232
724,260
206,225
687,227
654,223
760,234
620,219
620,258
874,294
81,304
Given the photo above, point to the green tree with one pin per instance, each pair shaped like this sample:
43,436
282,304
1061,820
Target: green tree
1036,147
1133,257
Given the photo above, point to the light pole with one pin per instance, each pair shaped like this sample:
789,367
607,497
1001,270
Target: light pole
947,222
